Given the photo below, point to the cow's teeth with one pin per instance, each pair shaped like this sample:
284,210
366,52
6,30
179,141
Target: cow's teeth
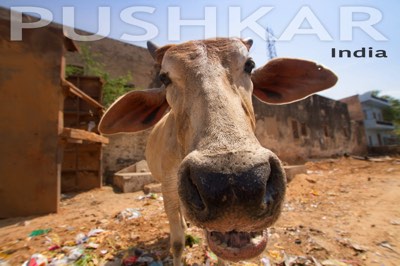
256,240
236,240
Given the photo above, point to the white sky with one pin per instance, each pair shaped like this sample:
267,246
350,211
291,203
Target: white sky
356,75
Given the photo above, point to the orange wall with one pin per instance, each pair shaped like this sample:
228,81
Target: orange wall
31,98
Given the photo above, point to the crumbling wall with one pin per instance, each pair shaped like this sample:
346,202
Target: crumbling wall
122,151
354,107
312,128
358,143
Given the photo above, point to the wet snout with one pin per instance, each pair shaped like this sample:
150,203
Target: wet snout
234,191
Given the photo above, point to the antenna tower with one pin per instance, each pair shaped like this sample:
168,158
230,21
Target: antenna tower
271,39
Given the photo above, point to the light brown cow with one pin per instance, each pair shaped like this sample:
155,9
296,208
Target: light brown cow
203,150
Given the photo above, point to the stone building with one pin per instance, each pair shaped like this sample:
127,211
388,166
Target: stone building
316,127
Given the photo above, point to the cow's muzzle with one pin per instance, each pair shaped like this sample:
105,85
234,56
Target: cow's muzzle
234,196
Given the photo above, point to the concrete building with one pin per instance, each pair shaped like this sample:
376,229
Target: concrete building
369,109
378,130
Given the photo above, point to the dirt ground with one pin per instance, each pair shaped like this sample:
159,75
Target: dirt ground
341,212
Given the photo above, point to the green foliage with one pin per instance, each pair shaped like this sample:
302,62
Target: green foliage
391,113
85,260
92,66
375,93
73,71
190,240
113,87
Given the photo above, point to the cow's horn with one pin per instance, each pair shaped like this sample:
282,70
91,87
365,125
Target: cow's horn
152,47
248,42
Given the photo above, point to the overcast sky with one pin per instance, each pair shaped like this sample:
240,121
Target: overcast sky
317,19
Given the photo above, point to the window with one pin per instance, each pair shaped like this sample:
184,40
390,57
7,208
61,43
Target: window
379,139
303,129
295,129
346,132
326,131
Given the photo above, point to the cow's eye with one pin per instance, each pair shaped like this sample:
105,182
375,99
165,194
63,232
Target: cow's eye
249,65
164,79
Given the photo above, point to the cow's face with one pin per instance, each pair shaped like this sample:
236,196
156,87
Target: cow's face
208,87
228,183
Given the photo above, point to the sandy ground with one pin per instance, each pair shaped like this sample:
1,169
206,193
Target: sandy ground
342,212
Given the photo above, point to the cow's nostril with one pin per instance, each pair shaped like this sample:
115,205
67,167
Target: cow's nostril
192,192
275,186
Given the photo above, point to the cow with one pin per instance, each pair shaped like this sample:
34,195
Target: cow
203,149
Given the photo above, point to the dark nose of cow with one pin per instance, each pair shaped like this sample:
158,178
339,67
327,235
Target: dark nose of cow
255,191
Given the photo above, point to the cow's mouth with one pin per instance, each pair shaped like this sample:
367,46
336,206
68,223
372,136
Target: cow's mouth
236,246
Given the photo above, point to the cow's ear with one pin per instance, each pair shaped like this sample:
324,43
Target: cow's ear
285,80
134,111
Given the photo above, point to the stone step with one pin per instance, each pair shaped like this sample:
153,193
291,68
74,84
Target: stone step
293,170
133,178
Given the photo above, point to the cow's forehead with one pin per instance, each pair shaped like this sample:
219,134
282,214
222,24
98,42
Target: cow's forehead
215,49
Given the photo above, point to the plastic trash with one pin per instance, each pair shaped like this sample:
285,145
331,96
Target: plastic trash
265,261
59,262
92,245
75,254
276,255
95,232
129,261
39,232
333,263
4,263
156,263
150,196
211,257
80,238
103,251
36,260
54,247
129,214
145,259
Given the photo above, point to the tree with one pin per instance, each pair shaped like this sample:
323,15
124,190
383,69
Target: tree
391,113
113,87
